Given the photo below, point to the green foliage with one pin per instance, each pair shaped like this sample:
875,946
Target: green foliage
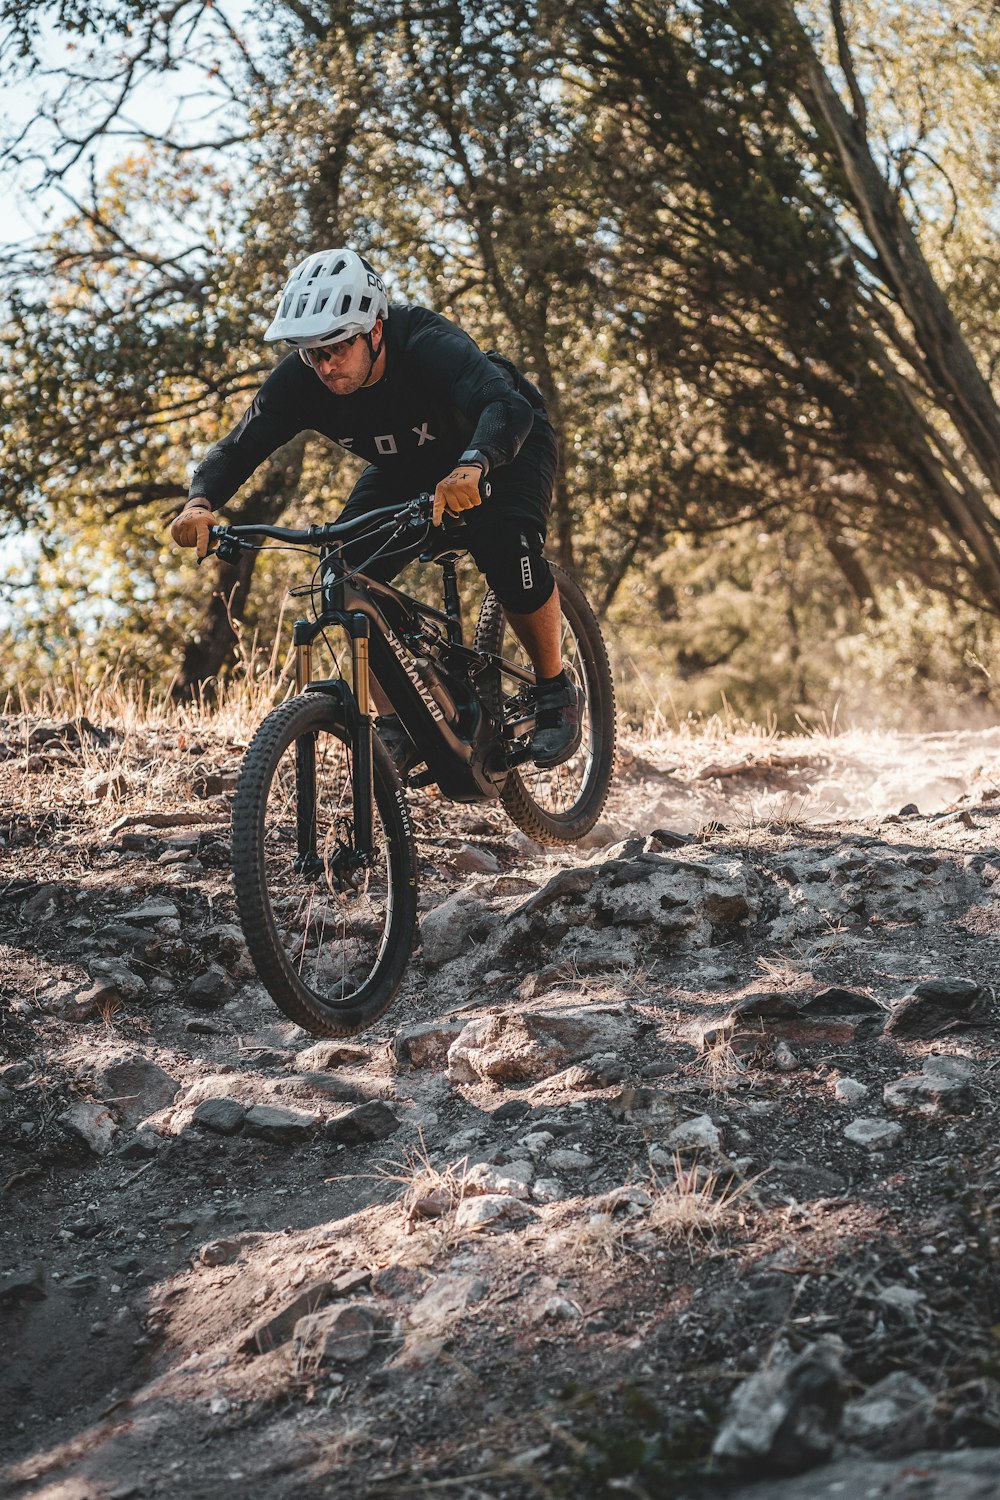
628,198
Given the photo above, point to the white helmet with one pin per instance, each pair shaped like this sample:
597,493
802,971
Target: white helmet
333,295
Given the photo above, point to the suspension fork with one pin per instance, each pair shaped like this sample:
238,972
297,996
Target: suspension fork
360,726
305,760
362,785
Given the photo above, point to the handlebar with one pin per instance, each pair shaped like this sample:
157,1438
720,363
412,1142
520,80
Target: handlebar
415,512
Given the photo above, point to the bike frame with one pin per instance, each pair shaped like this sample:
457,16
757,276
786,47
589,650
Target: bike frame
469,761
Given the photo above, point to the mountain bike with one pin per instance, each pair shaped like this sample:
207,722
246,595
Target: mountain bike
324,862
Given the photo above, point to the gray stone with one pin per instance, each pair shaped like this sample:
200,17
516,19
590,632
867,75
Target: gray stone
369,1122
936,1006
134,1086
928,1094
128,984
947,1066
549,1190
142,1146
493,1209
785,1059
286,1126
892,1417
24,1286
849,1090
426,1045
558,1309
445,1301
699,1134
483,1179
629,1199
524,1046
965,1475
219,1252
877,1135
467,859
153,910
101,995
323,1055
223,1116
568,1160
272,1331
342,1335
327,1084
210,989
451,930
94,1124
835,1001
785,1418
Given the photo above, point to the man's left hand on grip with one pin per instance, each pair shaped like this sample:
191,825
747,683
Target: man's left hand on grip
457,491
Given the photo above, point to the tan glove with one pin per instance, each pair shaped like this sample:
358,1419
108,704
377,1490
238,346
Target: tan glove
190,529
456,492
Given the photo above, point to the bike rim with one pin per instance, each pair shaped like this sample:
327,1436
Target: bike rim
333,922
558,790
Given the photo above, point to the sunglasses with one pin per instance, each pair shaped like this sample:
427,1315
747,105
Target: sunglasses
318,355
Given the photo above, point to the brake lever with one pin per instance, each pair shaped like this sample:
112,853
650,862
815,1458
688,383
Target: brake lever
229,547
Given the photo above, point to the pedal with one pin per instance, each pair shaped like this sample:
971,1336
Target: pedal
418,779
517,756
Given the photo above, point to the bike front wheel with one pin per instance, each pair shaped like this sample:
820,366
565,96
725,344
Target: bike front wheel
329,930
559,804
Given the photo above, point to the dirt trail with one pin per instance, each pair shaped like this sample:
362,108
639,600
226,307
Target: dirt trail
646,1124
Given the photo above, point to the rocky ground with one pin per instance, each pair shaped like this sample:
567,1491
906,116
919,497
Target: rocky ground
673,1171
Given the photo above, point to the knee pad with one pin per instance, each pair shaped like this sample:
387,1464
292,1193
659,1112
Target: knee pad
517,572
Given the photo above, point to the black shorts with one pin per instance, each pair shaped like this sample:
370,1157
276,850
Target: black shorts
505,534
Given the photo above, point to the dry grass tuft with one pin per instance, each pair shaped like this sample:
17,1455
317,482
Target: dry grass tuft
601,1238
723,1067
430,1194
698,1206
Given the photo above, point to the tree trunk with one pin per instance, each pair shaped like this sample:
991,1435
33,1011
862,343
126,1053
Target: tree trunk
958,383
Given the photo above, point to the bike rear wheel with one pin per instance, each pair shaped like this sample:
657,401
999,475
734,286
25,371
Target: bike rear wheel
330,942
560,804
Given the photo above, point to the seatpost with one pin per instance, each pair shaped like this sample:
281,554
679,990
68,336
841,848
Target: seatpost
452,601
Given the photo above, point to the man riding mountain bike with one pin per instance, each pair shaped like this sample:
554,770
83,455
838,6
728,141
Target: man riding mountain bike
410,392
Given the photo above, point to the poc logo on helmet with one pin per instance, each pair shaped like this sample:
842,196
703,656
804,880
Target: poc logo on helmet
376,281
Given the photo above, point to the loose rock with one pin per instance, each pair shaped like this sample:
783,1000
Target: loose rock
875,1134
928,1093
93,1123
892,1417
286,1126
700,1134
223,1116
935,1006
786,1418
338,1335
369,1122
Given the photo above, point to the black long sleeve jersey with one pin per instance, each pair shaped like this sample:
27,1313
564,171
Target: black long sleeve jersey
440,395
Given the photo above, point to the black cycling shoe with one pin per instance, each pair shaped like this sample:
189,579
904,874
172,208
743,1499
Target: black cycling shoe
398,743
558,723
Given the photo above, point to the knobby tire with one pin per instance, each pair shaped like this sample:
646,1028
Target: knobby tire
560,805
330,954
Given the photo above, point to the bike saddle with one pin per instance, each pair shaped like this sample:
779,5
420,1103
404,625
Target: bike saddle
441,552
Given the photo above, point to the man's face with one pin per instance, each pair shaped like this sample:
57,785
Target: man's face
344,367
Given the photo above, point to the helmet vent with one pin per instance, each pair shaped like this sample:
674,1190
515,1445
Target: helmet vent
364,304
321,301
340,266
302,304
345,305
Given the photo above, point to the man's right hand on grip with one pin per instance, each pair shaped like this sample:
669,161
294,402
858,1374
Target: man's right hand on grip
191,527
